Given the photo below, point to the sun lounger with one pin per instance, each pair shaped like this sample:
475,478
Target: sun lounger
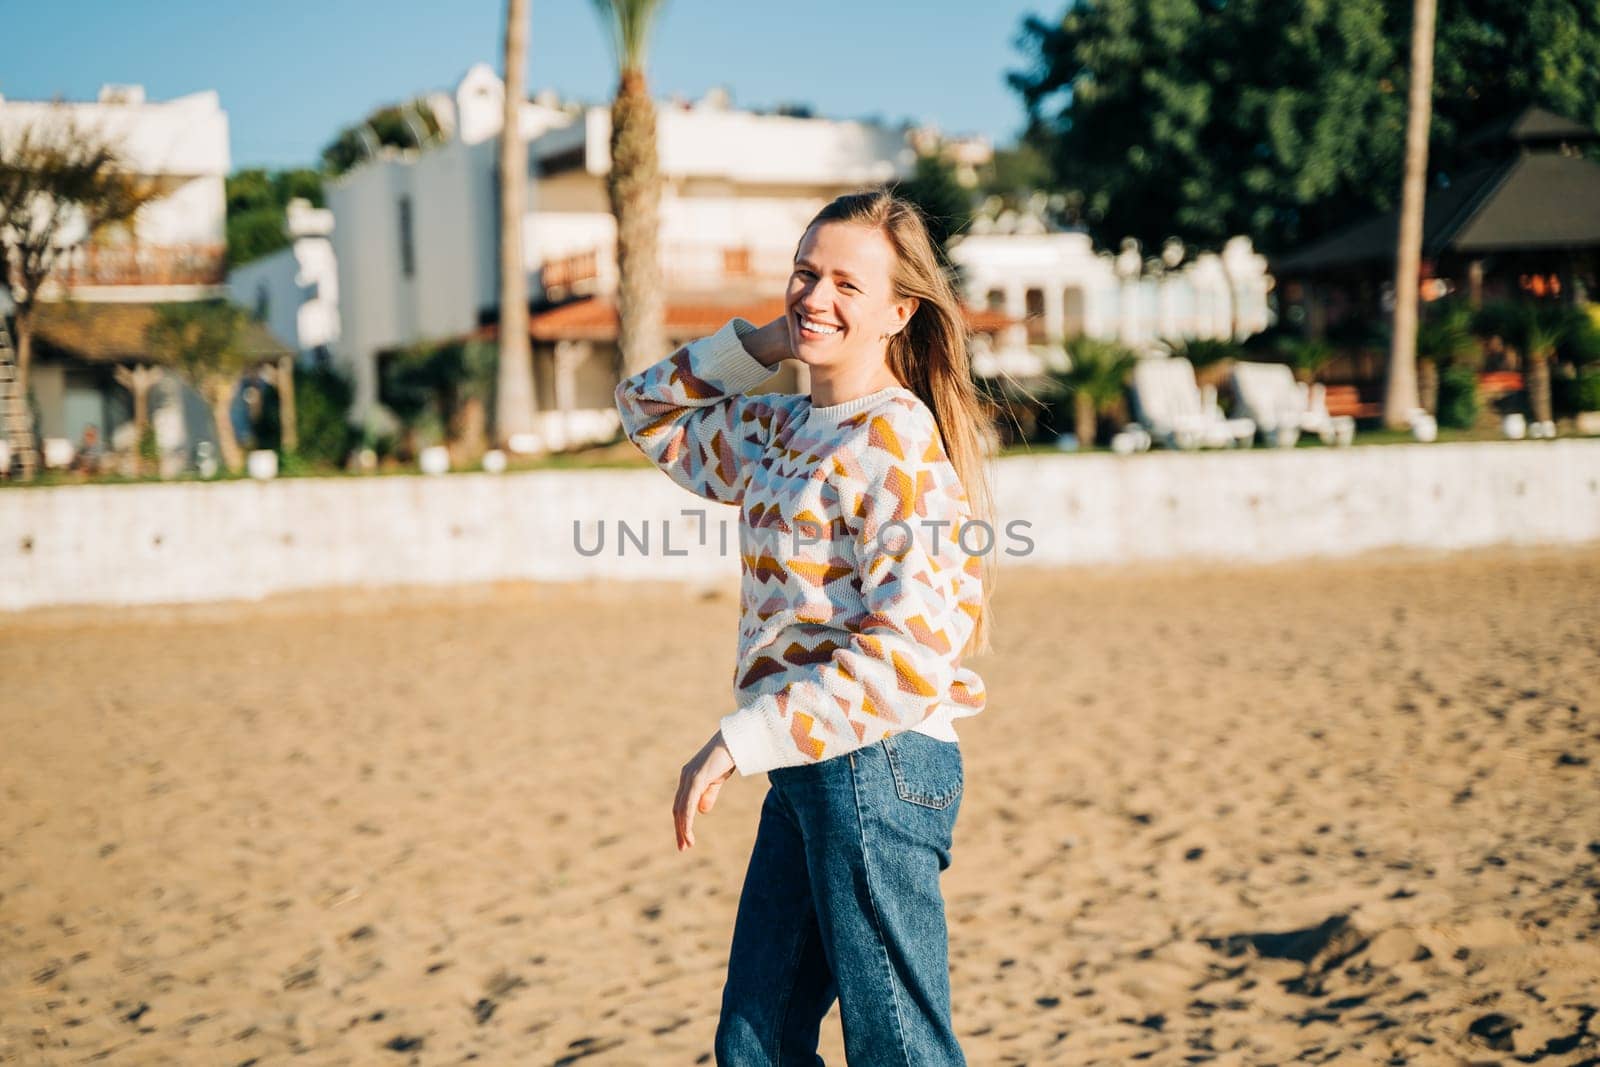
1178,413
1283,408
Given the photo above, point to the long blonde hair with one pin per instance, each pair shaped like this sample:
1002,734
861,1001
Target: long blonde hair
929,357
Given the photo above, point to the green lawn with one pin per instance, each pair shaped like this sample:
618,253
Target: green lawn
1363,437
622,455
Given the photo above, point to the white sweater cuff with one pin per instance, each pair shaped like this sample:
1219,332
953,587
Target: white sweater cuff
758,738
726,361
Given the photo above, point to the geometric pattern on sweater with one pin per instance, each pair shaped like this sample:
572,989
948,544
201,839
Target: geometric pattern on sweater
851,629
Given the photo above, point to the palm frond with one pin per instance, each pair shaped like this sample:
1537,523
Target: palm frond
628,23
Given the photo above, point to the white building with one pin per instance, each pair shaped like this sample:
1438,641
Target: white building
1054,286
416,232
416,244
295,290
174,250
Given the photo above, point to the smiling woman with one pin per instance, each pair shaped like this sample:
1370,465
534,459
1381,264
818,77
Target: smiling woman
860,600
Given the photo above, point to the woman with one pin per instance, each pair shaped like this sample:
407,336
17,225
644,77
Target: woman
863,585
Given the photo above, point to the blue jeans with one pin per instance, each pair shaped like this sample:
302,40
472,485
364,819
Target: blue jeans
841,901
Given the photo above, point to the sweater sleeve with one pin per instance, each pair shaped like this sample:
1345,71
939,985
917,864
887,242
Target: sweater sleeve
921,596
688,415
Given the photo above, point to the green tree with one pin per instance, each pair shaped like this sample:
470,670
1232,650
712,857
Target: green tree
1534,330
1306,355
1444,340
634,184
322,399
256,202
409,125
440,390
1095,380
1208,118
1016,171
61,184
207,342
945,203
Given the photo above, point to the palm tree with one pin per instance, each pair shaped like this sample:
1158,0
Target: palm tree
634,185
1535,331
1400,391
1307,355
1443,340
514,397
1095,381
1210,357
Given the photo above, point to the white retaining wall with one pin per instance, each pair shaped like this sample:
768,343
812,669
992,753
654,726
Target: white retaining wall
156,543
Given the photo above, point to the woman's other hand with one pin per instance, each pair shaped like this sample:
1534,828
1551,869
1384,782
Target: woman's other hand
698,784
769,344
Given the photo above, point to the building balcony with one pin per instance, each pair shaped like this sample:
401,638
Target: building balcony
685,268
151,265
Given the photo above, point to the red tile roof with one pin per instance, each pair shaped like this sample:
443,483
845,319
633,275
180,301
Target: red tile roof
595,319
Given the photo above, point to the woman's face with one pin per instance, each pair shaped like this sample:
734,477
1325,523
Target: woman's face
841,298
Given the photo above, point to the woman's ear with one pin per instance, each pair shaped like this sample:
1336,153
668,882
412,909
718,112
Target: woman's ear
903,310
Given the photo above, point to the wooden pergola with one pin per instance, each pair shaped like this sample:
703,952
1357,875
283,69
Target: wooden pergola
1525,220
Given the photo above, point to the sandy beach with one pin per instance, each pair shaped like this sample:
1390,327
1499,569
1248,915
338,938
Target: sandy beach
1321,812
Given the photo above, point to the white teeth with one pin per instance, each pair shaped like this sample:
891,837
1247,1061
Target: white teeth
817,327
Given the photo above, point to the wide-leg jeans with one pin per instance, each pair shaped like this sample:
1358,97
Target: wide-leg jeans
841,901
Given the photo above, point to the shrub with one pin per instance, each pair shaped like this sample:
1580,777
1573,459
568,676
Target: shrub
1458,397
322,397
1589,390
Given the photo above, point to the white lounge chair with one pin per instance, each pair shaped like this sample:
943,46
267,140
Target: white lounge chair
1178,413
1284,409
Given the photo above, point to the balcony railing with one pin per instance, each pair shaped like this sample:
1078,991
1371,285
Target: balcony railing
684,267
571,274
190,264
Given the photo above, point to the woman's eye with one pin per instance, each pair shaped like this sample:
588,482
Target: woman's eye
802,274
847,285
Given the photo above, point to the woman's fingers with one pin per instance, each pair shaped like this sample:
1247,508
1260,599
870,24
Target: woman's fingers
679,808
697,790
683,806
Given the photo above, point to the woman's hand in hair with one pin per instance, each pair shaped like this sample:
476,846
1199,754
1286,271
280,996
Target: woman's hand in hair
770,343
698,784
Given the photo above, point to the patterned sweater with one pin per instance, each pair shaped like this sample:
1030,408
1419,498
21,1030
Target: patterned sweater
857,599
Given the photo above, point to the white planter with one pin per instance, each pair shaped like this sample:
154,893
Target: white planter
1514,426
525,444
1424,428
58,452
435,459
494,461
205,459
262,464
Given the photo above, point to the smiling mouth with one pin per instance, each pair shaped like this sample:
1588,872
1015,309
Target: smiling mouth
821,329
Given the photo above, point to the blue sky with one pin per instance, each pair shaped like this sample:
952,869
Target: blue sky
292,72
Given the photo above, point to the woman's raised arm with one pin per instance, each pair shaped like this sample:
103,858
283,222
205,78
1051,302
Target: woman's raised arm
689,414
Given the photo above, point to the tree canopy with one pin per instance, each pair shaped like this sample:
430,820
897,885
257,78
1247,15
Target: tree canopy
409,125
1208,118
944,202
256,202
